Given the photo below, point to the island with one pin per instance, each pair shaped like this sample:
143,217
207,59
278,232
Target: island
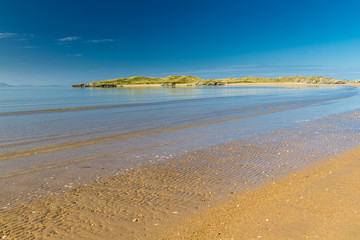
191,81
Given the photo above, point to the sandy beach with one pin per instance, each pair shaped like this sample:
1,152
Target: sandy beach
320,202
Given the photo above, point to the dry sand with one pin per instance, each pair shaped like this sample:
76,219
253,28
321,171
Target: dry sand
320,202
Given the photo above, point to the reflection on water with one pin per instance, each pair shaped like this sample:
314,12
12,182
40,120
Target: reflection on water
27,99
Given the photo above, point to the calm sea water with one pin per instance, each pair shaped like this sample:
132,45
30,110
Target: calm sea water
24,115
67,135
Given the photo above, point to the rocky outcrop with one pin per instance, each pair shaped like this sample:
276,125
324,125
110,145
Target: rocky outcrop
320,80
81,85
168,85
209,84
92,85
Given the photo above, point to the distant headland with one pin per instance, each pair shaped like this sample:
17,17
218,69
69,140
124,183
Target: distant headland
5,85
172,81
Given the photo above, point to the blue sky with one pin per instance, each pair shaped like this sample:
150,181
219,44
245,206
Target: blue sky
68,41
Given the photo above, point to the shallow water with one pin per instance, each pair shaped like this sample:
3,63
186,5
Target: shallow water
209,139
47,132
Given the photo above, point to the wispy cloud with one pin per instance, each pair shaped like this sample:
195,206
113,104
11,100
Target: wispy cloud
26,36
21,63
101,40
18,36
7,35
69,39
75,55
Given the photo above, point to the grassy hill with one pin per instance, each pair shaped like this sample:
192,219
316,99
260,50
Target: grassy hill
152,80
294,79
191,80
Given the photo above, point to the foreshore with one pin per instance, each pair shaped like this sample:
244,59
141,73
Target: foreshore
247,187
319,202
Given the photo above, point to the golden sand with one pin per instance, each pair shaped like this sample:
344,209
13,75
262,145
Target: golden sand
320,202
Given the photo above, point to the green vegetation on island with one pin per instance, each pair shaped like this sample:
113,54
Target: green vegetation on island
172,81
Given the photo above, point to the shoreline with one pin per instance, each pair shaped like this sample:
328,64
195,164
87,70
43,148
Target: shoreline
289,84
321,201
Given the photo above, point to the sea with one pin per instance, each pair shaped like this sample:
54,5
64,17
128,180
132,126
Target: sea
53,139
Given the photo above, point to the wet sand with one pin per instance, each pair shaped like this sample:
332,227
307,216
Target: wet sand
320,202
